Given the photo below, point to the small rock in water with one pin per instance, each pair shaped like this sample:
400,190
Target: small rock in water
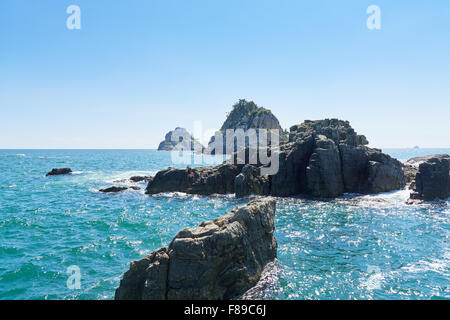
141,178
59,171
118,189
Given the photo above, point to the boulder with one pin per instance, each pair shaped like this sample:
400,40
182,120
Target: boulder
433,180
219,259
60,171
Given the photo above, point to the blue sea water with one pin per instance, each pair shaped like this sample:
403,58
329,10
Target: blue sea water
353,247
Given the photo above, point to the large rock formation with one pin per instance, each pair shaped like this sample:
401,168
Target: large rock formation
180,139
433,180
219,259
246,115
204,180
323,158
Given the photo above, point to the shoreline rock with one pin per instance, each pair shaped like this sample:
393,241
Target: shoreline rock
59,171
323,158
219,259
432,180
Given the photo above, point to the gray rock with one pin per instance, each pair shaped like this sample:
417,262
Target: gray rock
219,259
323,158
246,115
60,171
115,189
250,181
410,172
180,139
323,173
203,180
433,180
141,178
416,161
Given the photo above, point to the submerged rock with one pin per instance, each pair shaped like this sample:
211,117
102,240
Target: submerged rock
219,259
60,171
433,180
115,189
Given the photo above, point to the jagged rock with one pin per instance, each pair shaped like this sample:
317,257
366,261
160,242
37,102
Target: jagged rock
60,171
115,189
337,130
433,180
323,158
410,172
246,115
180,139
416,161
250,181
323,173
203,180
219,259
293,160
141,178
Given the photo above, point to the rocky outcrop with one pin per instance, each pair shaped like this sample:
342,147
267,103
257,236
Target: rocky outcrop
203,180
219,259
410,172
60,171
180,139
323,158
246,115
433,180
250,181
115,189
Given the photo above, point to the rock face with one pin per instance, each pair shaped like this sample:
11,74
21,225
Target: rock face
180,139
203,180
246,115
219,259
60,171
250,181
323,158
433,180
410,172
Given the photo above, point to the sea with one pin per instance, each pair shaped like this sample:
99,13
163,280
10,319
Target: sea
60,238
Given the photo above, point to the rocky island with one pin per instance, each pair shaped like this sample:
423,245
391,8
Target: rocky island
246,115
183,139
322,158
219,259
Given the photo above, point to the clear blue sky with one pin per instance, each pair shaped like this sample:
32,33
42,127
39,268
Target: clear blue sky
138,69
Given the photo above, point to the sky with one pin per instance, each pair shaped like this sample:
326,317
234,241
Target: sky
137,69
